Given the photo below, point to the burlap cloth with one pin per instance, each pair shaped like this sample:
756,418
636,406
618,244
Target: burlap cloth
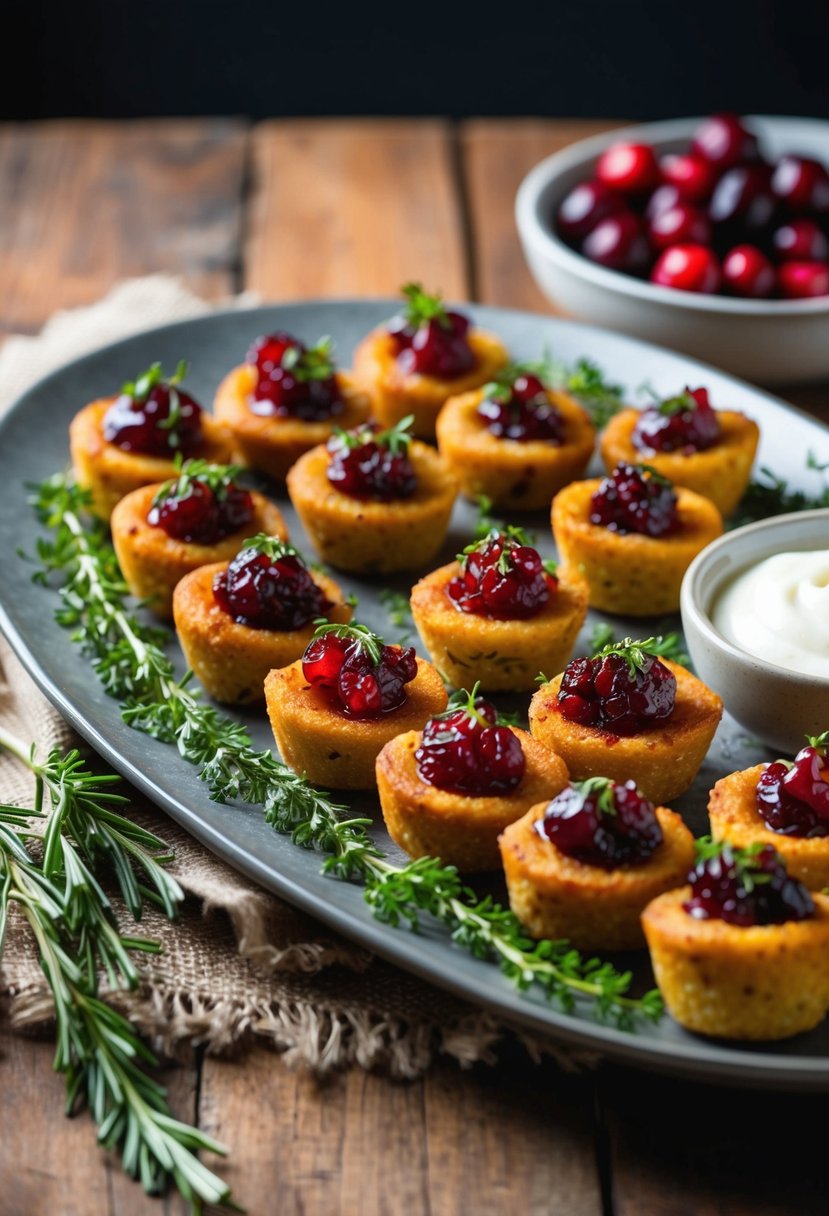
238,962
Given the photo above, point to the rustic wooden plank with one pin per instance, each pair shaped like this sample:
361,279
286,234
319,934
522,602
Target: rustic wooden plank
84,204
353,207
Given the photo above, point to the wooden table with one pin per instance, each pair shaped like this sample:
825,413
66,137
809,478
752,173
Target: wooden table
342,208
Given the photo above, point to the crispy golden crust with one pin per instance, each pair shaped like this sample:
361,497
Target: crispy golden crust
762,982
500,654
629,573
274,444
374,537
555,896
461,829
109,473
333,750
231,660
721,473
663,759
515,475
734,817
394,394
153,562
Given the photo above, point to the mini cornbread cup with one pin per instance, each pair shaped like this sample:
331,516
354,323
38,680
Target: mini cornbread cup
756,982
734,817
374,537
395,393
499,655
719,473
109,473
461,829
515,475
662,759
153,562
629,573
231,660
330,748
555,896
273,444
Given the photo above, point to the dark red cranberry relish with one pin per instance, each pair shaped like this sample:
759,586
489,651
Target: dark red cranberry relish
622,690
516,406
744,886
687,423
202,505
267,586
364,677
635,498
503,577
154,416
294,380
465,751
429,338
601,823
794,798
373,464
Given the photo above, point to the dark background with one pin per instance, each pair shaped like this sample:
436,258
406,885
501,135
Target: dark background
640,59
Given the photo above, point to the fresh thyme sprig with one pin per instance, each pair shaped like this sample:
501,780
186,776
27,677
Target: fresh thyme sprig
218,478
586,381
398,611
671,645
421,307
768,495
312,363
634,652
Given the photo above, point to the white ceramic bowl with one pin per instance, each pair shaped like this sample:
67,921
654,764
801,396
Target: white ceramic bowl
768,341
776,705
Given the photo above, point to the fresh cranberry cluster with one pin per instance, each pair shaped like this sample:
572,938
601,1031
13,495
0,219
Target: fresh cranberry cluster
601,823
364,677
502,577
465,751
686,423
623,689
154,416
430,339
294,380
745,887
793,799
517,406
715,218
268,586
369,463
635,498
203,505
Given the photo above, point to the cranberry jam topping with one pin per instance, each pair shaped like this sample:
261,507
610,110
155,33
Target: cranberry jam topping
430,339
635,498
465,751
744,886
623,689
601,823
294,380
267,586
793,798
202,505
686,423
503,577
372,464
154,416
364,677
516,406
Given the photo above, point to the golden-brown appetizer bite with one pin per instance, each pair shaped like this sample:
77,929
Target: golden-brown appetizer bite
584,864
499,613
413,363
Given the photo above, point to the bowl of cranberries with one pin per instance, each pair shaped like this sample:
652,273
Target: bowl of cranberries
708,235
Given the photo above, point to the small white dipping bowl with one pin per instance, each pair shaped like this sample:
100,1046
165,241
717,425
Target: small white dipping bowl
776,705
767,341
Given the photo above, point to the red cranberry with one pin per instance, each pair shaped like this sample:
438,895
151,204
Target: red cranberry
803,280
602,823
793,799
583,207
198,511
267,586
679,225
693,176
687,268
746,271
742,203
623,689
516,406
618,242
800,241
364,677
634,499
293,380
430,339
465,751
372,464
722,140
628,168
154,416
745,887
686,423
663,199
801,183
502,577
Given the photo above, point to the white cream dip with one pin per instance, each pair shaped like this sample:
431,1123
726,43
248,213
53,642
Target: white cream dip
779,611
